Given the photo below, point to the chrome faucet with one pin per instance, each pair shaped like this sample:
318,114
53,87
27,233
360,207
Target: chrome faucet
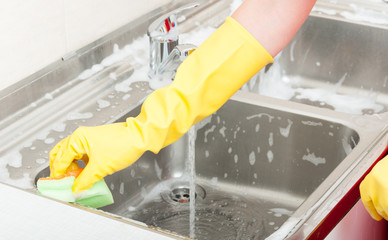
165,51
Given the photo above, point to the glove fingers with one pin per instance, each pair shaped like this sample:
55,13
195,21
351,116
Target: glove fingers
382,214
86,179
65,154
367,201
62,163
56,150
370,207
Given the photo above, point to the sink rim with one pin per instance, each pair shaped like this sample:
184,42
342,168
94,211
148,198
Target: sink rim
325,192
365,150
373,132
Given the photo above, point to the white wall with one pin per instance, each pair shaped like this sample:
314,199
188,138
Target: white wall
35,33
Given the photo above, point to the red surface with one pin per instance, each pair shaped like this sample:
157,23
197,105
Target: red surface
358,225
342,208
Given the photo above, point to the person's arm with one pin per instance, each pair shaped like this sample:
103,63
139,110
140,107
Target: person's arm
273,22
203,83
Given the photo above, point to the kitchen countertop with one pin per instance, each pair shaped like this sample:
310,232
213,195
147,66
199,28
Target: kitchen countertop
28,216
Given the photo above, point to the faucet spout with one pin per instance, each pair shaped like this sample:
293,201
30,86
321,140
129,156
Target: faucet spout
164,37
175,58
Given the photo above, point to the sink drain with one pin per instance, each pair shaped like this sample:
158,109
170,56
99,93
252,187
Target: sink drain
181,194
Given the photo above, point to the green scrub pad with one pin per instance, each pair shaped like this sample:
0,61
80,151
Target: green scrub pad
97,196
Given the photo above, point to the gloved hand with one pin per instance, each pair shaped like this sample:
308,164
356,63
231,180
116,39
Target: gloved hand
374,191
203,83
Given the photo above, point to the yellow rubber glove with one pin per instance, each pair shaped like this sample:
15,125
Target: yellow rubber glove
203,83
374,191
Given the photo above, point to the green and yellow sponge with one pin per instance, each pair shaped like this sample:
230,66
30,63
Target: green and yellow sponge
60,188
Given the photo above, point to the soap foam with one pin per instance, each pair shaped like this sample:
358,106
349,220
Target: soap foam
49,140
230,150
270,139
311,123
14,159
103,103
274,83
282,211
210,130
159,83
43,135
285,132
126,97
252,158
77,116
222,131
270,117
59,127
207,154
342,103
326,11
270,156
310,157
235,158
365,15
40,160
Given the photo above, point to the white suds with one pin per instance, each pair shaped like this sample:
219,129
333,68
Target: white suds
252,158
103,103
285,132
222,131
270,117
270,156
126,97
49,140
210,130
365,15
77,116
13,159
310,157
40,160
59,127
270,139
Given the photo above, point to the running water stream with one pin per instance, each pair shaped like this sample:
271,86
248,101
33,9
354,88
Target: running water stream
191,170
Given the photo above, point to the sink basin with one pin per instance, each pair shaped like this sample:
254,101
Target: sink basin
254,167
331,63
263,165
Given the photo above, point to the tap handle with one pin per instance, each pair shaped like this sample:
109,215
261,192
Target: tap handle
166,25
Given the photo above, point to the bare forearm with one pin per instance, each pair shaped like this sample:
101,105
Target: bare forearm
273,22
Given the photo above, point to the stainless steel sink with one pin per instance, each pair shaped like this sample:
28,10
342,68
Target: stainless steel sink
263,165
254,167
331,60
260,163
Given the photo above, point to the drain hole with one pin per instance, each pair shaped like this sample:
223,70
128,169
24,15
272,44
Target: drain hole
181,195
